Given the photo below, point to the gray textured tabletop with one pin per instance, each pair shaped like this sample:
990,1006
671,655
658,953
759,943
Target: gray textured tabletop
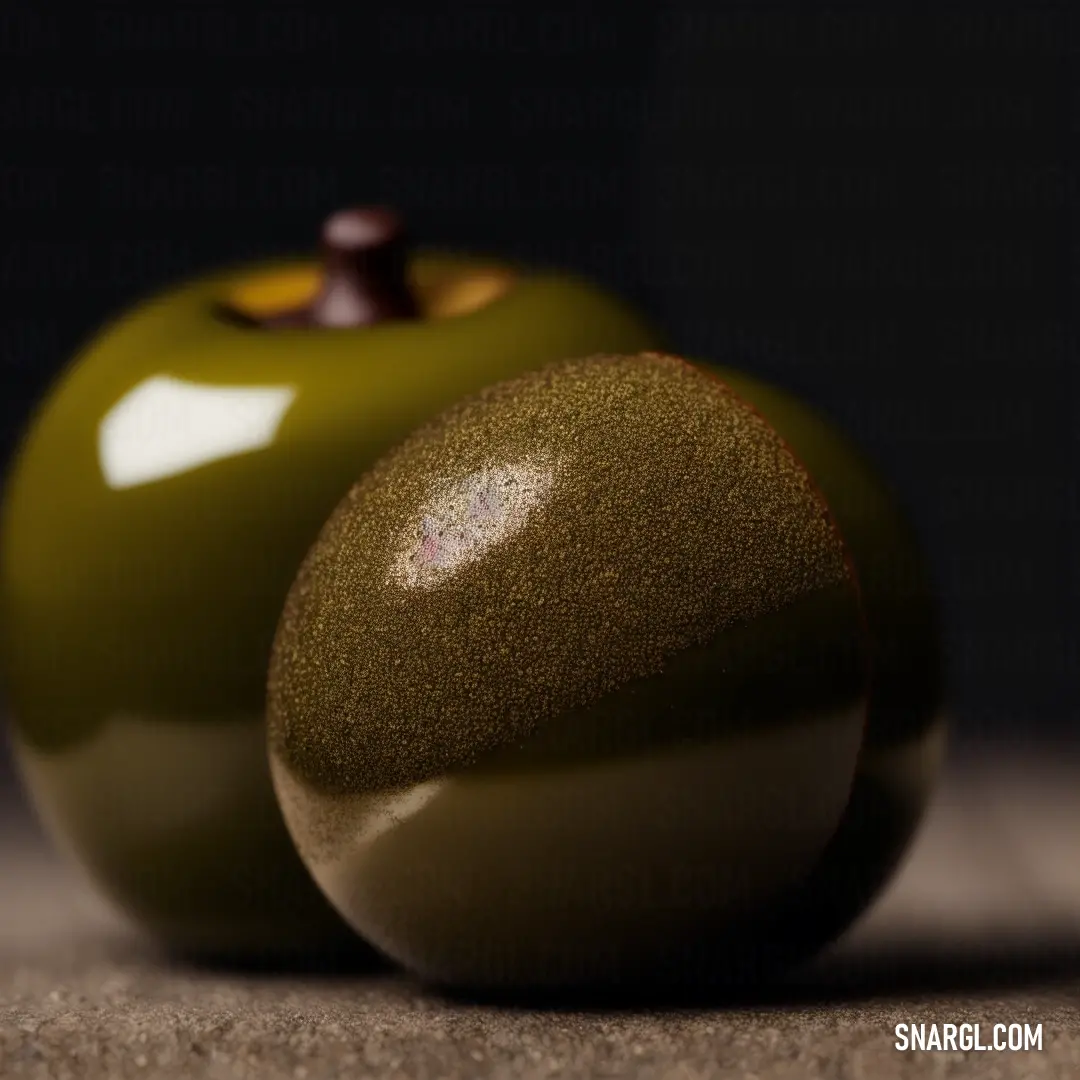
981,926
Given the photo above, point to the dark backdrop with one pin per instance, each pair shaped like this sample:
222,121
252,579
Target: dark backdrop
875,209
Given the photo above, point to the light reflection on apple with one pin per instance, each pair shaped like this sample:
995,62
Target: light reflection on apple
465,519
166,426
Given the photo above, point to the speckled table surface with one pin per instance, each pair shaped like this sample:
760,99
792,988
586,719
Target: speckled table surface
981,926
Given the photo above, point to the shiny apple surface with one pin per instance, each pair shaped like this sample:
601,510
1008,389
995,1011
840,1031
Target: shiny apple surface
155,516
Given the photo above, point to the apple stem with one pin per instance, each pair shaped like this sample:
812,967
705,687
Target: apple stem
364,275
364,270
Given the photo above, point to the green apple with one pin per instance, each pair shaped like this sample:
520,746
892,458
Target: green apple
154,519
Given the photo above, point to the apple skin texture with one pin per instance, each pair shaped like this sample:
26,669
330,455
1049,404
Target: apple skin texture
620,674
154,519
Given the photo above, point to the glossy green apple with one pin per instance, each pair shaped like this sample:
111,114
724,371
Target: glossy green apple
156,514
620,673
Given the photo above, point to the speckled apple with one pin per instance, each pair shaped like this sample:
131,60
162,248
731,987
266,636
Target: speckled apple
620,673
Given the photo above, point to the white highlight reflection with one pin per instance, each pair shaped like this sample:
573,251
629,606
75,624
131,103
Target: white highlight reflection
166,426
386,812
466,519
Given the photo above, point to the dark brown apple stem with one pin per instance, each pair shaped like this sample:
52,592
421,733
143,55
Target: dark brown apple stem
364,274
364,270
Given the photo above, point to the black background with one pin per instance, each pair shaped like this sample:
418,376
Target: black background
872,208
